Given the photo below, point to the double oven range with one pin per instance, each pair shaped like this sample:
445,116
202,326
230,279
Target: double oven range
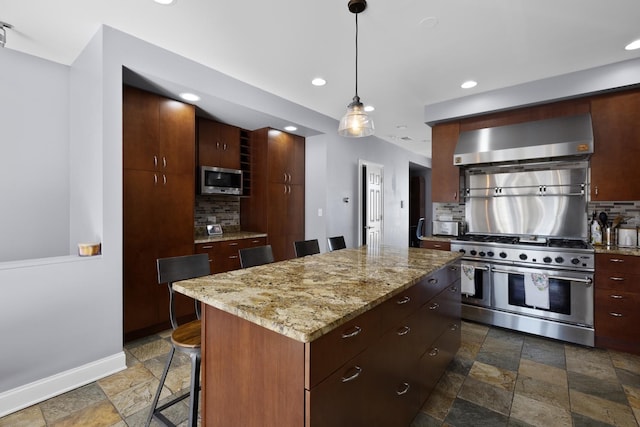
497,268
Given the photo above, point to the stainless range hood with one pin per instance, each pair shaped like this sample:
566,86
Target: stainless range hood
550,138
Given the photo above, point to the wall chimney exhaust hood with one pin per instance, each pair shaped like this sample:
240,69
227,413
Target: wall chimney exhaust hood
524,142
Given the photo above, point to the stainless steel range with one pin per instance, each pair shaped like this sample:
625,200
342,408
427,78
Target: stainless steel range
527,264
497,270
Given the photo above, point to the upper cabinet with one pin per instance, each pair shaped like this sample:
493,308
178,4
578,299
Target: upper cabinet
445,177
218,144
286,157
153,133
614,171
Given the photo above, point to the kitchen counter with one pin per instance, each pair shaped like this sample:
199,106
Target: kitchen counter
304,298
235,235
616,250
438,238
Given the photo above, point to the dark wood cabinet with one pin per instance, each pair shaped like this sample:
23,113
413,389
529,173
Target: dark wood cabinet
158,200
223,255
276,204
218,144
614,173
445,177
617,298
435,244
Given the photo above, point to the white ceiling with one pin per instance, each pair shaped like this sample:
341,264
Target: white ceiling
405,61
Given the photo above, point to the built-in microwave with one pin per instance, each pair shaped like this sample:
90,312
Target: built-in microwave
215,180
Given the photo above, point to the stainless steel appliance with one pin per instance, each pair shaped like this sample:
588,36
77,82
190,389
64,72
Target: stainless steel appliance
214,180
501,264
526,261
447,228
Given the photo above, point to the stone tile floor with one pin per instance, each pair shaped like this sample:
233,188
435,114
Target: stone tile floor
498,378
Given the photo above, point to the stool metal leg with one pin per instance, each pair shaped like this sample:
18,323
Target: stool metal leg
194,389
162,379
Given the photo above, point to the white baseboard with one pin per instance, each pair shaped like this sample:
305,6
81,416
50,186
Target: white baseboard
37,391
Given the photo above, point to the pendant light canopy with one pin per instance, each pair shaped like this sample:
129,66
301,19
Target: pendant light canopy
356,122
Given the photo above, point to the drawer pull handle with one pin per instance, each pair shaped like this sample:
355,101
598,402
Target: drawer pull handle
356,374
255,241
405,389
453,289
233,244
435,245
616,260
403,331
434,306
616,296
233,256
356,330
615,314
405,299
434,352
433,281
617,279
207,247
454,327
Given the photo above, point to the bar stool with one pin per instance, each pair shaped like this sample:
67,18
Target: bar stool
250,257
184,338
336,242
306,247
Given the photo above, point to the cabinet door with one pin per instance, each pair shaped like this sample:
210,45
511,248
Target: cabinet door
230,155
176,137
140,251
614,175
286,158
445,177
140,129
218,144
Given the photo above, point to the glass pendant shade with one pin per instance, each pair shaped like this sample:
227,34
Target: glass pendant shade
356,122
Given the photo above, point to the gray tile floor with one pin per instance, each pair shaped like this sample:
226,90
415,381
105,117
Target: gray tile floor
498,378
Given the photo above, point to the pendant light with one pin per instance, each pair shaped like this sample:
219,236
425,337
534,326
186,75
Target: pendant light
356,122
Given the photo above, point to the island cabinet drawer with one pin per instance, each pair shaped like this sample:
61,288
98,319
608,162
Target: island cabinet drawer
402,305
439,314
332,350
617,263
433,284
618,280
436,359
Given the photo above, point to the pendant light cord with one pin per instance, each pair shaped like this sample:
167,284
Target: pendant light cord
356,54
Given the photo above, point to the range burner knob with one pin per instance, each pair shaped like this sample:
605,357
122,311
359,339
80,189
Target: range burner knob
490,253
503,255
559,260
481,253
575,261
473,252
547,259
523,256
462,251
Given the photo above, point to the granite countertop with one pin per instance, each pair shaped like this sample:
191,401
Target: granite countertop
234,235
600,249
304,298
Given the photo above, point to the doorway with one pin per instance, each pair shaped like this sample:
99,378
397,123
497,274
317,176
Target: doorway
371,206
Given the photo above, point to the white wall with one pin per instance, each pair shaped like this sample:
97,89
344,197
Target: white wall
34,157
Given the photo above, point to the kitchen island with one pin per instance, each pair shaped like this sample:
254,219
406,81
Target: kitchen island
352,337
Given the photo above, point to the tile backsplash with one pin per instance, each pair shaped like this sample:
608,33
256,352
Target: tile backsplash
225,209
448,212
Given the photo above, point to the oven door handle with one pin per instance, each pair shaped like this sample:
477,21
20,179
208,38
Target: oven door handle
587,280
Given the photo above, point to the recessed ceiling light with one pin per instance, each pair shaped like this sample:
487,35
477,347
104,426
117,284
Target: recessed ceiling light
401,126
633,45
318,81
369,108
290,128
429,22
189,97
165,2
468,84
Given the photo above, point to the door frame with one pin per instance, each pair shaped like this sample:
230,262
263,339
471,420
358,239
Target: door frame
362,196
